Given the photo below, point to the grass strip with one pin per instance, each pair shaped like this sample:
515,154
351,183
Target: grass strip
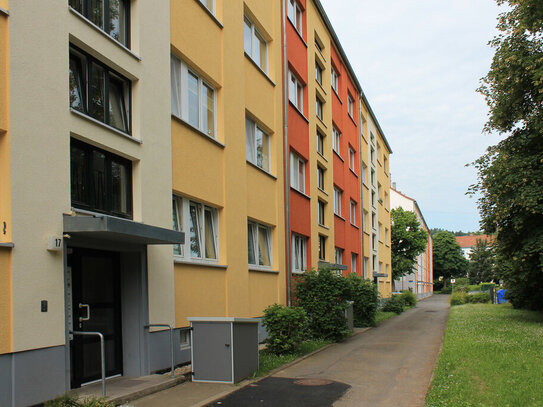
492,356
383,316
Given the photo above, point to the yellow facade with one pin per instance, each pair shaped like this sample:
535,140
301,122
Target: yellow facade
383,177
214,171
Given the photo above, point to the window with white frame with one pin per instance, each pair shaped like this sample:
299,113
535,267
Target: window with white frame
318,73
322,247
365,221
380,267
321,211
372,176
320,178
297,172
295,92
338,256
318,44
373,200
299,253
364,171
372,155
337,201
352,159
257,144
334,79
379,233
255,45
373,220
201,226
259,244
193,99
365,265
294,14
373,262
209,4
336,141
386,235
350,105
354,259
353,212
319,108
320,143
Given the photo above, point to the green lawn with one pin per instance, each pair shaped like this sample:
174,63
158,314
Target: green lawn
269,361
383,316
492,356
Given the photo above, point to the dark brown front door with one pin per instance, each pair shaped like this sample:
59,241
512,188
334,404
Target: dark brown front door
96,307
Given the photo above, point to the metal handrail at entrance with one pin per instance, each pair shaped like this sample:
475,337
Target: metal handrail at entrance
102,355
171,343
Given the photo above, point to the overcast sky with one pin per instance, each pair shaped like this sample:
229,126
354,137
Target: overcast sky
419,63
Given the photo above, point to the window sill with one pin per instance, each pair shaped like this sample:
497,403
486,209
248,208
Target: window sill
354,173
9,245
210,14
261,269
297,273
322,190
199,263
262,170
340,217
320,53
95,27
320,86
301,193
366,233
259,68
352,119
366,185
354,226
338,98
197,130
106,126
297,32
3,11
336,153
320,120
87,212
324,226
298,111
323,157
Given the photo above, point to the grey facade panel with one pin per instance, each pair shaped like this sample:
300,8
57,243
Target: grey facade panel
245,348
5,379
159,350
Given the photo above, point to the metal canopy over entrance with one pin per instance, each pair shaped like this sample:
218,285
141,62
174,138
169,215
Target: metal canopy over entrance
120,230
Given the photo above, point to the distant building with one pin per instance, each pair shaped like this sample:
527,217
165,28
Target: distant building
467,243
420,281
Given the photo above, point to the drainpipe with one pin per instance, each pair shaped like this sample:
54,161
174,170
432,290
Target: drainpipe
286,157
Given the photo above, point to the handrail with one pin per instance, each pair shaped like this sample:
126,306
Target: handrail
171,344
102,355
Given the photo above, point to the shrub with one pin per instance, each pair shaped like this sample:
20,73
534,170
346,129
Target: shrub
487,286
285,326
478,298
71,401
438,285
394,304
323,295
408,298
458,298
366,300
446,290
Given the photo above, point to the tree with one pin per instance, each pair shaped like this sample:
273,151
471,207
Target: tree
482,263
408,240
510,173
448,259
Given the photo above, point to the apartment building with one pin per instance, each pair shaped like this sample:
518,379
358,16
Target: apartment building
167,160
421,280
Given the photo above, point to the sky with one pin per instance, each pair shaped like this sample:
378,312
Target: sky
419,63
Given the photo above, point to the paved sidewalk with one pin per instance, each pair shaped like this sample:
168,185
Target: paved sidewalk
390,365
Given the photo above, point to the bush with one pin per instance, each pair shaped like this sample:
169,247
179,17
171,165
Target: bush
71,401
478,298
394,304
285,326
458,298
438,285
408,298
446,290
366,299
323,295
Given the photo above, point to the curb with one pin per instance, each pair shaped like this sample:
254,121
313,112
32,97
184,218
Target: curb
127,398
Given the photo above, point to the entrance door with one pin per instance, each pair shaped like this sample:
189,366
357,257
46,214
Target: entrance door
96,307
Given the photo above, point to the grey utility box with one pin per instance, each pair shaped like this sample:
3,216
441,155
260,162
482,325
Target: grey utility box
224,349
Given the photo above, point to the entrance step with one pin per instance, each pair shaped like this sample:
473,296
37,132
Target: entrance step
122,390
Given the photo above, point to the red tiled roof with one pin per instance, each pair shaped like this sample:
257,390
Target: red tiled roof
471,241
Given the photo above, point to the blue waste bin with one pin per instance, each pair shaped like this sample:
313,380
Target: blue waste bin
501,296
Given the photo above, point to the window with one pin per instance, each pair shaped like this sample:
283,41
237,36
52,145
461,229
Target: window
184,338
319,109
321,209
257,144
100,181
372,155
379,193
201,226
352,159
111,16
296,92
259,244
385,164
318,44
385,202
193,99
373,201
336,141
320,178
209,4
98,91
365,221
337,201
318,73
373,262
380,267
335,78
386,235
365,265
373,220
372,176
374,241
353,212
299,250
350,105
354,259
364,171
379,233
294,14
297,172
255,45
320,143
338,257
322,247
